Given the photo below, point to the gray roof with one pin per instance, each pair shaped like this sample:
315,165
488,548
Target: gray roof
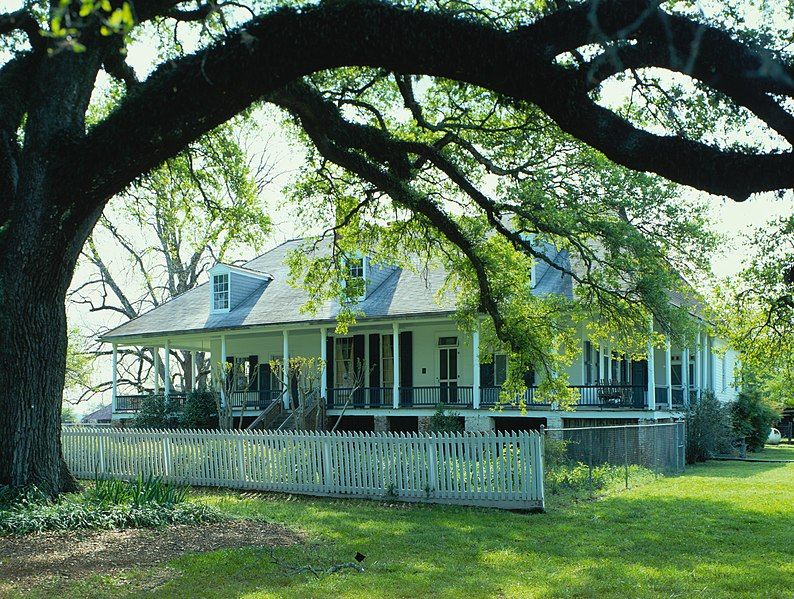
102,414
402,293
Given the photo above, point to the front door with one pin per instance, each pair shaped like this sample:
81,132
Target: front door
448,374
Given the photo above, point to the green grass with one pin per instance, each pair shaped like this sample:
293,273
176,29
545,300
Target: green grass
774,452
722,530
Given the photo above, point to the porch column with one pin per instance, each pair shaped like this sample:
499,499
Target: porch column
115,378
713,364
668,372
324,360
194,371
156,354
698,376
222,371
685,375
285,368
167,370
395,329
475,373
608,377
705,362
651,373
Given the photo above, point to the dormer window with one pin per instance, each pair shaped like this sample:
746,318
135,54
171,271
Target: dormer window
220,292
355,268
357,271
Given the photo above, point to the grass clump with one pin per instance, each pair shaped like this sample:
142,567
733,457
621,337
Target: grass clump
109,504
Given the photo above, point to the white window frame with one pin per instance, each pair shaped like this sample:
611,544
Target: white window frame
214,294
364,276
386,362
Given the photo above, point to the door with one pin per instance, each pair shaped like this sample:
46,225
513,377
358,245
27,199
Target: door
639,382
448,370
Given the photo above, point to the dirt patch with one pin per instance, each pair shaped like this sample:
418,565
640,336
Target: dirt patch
76,555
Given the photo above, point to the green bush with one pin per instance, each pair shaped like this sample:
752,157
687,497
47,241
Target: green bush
445,422
709,429
156,412
110,504
200,410
140,492
753,417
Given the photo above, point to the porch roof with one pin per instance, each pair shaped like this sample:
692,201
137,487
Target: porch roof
402,293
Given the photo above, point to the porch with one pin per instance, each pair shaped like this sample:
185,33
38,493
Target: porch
409,364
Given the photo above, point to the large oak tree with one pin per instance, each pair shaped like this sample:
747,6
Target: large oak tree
56,174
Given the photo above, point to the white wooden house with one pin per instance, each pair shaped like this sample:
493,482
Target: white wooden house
416,359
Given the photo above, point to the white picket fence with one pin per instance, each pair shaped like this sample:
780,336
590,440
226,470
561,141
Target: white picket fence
501,470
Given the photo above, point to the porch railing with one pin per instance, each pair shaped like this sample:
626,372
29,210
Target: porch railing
377,397
253,400
134,403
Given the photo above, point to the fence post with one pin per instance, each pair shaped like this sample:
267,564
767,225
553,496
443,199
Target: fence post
432,468
166,456
328,474
101,453
626,454
241,457
590,462
538,456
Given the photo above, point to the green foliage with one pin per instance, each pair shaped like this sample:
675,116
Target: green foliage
140,492
79,362
709,429
156,412
68,415
753,417
110,504
443,421
200,410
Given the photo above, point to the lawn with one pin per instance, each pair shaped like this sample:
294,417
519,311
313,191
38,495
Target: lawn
722,530
774,452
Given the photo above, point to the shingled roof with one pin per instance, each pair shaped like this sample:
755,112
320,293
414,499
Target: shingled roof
403,293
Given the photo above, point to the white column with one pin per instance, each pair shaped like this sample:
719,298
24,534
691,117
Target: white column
608,373
194,370
395,328
713,366
705,362
651,373
475,372
324,360
698,376
222,371
156,354
668,372
114,392
167,370
285,364
685,375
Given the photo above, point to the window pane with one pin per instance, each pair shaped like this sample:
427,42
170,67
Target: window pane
387,360
500,369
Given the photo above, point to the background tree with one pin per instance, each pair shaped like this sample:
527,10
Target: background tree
201,207
56,174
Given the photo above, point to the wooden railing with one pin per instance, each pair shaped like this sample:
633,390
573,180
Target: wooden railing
133,403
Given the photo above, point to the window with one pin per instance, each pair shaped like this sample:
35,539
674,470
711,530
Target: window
387,360
355,268
220,292
447,341
499,369
343,362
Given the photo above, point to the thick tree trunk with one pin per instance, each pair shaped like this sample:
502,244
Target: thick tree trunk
37,258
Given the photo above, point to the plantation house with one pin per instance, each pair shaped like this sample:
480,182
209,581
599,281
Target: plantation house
405,356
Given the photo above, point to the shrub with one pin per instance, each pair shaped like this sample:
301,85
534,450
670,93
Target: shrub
753,417
200,410
445,422
709,430
156,412
148,491
110,504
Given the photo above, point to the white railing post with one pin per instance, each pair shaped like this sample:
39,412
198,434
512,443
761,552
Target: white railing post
285,364
395,327
114,392
475,374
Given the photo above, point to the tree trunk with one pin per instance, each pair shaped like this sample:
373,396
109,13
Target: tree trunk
37,258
